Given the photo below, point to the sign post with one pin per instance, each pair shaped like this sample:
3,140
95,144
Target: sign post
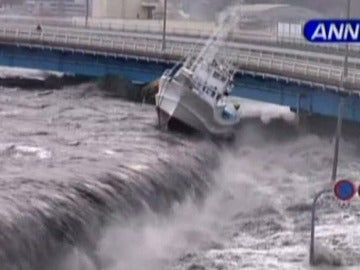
344,190
317,31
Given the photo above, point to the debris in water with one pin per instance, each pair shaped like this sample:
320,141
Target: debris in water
196,267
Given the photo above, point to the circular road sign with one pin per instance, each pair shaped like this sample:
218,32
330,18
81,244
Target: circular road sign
344,190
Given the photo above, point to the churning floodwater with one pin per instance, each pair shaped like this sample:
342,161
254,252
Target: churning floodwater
71,159
88,180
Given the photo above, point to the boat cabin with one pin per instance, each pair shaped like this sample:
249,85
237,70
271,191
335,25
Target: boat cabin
212,81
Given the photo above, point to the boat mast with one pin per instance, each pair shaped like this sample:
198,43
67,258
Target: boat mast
230,18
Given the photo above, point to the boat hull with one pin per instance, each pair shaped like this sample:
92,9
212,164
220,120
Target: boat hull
176,102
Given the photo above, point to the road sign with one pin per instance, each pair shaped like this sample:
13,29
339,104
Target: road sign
345,190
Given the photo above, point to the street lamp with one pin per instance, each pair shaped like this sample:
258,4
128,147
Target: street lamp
164,26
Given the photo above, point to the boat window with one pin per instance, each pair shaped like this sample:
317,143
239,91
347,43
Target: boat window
220,77
216,75
214,64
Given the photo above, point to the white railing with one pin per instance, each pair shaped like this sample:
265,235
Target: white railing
205,29
83,34
304,66
193,29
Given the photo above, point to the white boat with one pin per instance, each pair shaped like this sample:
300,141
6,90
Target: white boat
186,98
197,93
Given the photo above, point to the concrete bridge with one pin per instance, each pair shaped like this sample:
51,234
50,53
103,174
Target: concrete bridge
305,77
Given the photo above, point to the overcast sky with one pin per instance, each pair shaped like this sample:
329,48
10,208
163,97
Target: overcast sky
334,8
331,7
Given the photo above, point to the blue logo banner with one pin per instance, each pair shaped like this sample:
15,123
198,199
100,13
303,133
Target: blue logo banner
332,31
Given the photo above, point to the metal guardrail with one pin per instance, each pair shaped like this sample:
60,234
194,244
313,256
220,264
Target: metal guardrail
246,59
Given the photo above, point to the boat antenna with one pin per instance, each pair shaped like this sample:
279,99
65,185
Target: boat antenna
186,59
228,20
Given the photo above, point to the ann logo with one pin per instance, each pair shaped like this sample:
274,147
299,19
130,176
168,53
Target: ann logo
332,31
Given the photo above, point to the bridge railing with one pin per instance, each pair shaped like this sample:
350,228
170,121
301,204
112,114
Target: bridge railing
246,59
311,72
271,35
204,30
173,42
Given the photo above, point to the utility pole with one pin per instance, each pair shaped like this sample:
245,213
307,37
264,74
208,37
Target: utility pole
341,104
87,13
61,9
164,26
336,150
348,6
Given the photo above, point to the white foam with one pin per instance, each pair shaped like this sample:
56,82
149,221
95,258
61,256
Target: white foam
26,73
10,113
109,152
41,153
265,111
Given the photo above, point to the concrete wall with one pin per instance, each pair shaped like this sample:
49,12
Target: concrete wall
173,26
121,9
133,8
99,8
